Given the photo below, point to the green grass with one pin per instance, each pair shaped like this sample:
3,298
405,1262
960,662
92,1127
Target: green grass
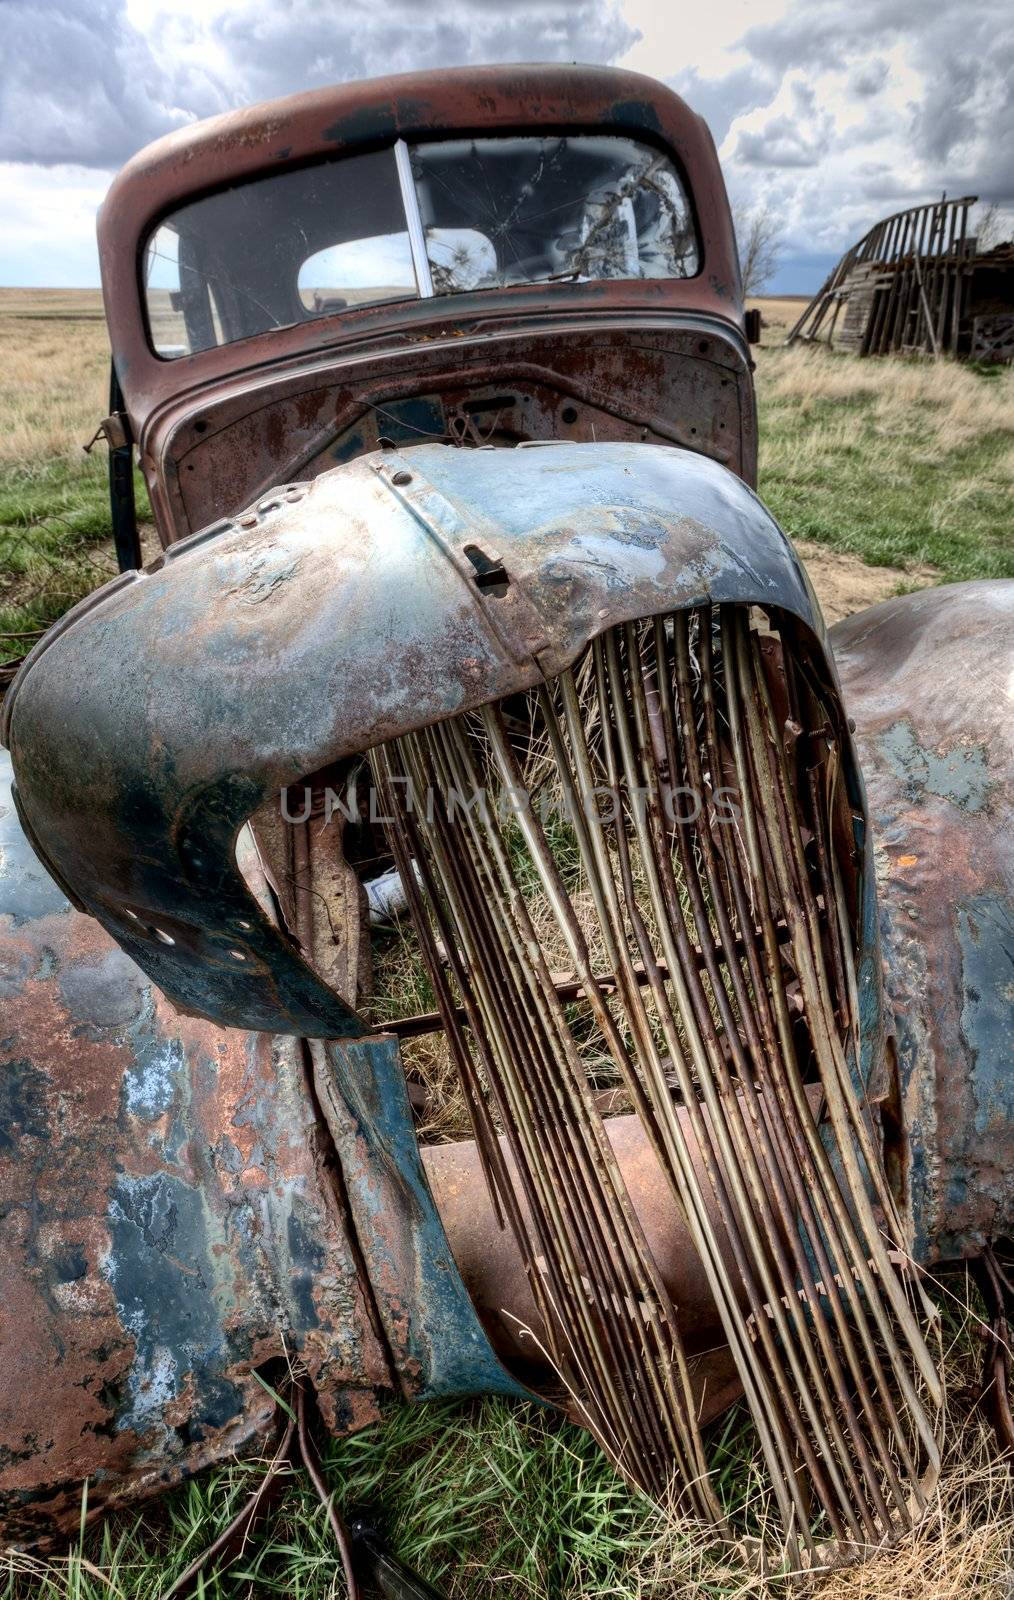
487,1498
900,464
55,541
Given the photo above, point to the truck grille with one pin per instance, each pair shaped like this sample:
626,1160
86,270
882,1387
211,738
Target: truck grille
671,822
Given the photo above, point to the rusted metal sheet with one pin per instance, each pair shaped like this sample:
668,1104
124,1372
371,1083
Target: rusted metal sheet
170,1220
437,1342
575,378
929,679
493,1269
176,1216
335,615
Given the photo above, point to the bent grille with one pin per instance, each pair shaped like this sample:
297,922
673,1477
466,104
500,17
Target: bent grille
670,820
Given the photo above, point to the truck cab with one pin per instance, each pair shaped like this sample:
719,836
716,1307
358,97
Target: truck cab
489,257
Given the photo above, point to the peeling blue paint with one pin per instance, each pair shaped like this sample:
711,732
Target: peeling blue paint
159,1268
986,936
959,774
153,1077
420,1294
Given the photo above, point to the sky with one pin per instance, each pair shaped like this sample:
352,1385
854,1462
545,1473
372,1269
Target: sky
832,112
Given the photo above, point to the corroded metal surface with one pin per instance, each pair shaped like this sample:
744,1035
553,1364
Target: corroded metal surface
436,1340
929,679
574,377
169,1221
493,1268
336,615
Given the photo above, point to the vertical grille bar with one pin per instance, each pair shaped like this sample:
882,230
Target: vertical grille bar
727,934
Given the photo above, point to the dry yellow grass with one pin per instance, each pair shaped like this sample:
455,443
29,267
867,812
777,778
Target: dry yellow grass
779,312
55,359
953,404
962,1547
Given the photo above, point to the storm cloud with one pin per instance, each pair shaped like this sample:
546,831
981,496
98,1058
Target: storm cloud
81,83
834,113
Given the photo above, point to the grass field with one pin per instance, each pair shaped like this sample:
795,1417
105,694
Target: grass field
894,474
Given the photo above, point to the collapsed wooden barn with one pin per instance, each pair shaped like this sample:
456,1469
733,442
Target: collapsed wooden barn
917,283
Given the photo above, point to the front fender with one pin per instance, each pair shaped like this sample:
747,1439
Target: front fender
400,589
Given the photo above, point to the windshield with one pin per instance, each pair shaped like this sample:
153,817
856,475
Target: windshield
436,219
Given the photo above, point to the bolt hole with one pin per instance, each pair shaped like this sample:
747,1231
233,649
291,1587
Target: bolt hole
704,347
568,415
402,479
200,426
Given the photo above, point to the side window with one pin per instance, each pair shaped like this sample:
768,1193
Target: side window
162,287
277,250
182,310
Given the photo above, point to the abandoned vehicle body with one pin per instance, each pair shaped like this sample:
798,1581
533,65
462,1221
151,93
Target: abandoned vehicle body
442,393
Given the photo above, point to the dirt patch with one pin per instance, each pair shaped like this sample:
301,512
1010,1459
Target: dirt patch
845,584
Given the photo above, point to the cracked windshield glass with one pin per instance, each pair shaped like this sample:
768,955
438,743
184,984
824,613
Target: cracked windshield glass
330,237
504,211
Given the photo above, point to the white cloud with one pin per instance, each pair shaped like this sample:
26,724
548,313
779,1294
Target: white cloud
838,112
48,224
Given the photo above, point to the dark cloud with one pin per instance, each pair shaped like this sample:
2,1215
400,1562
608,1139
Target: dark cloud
964,123
819,34
276,50
781,143
869,78
80,84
